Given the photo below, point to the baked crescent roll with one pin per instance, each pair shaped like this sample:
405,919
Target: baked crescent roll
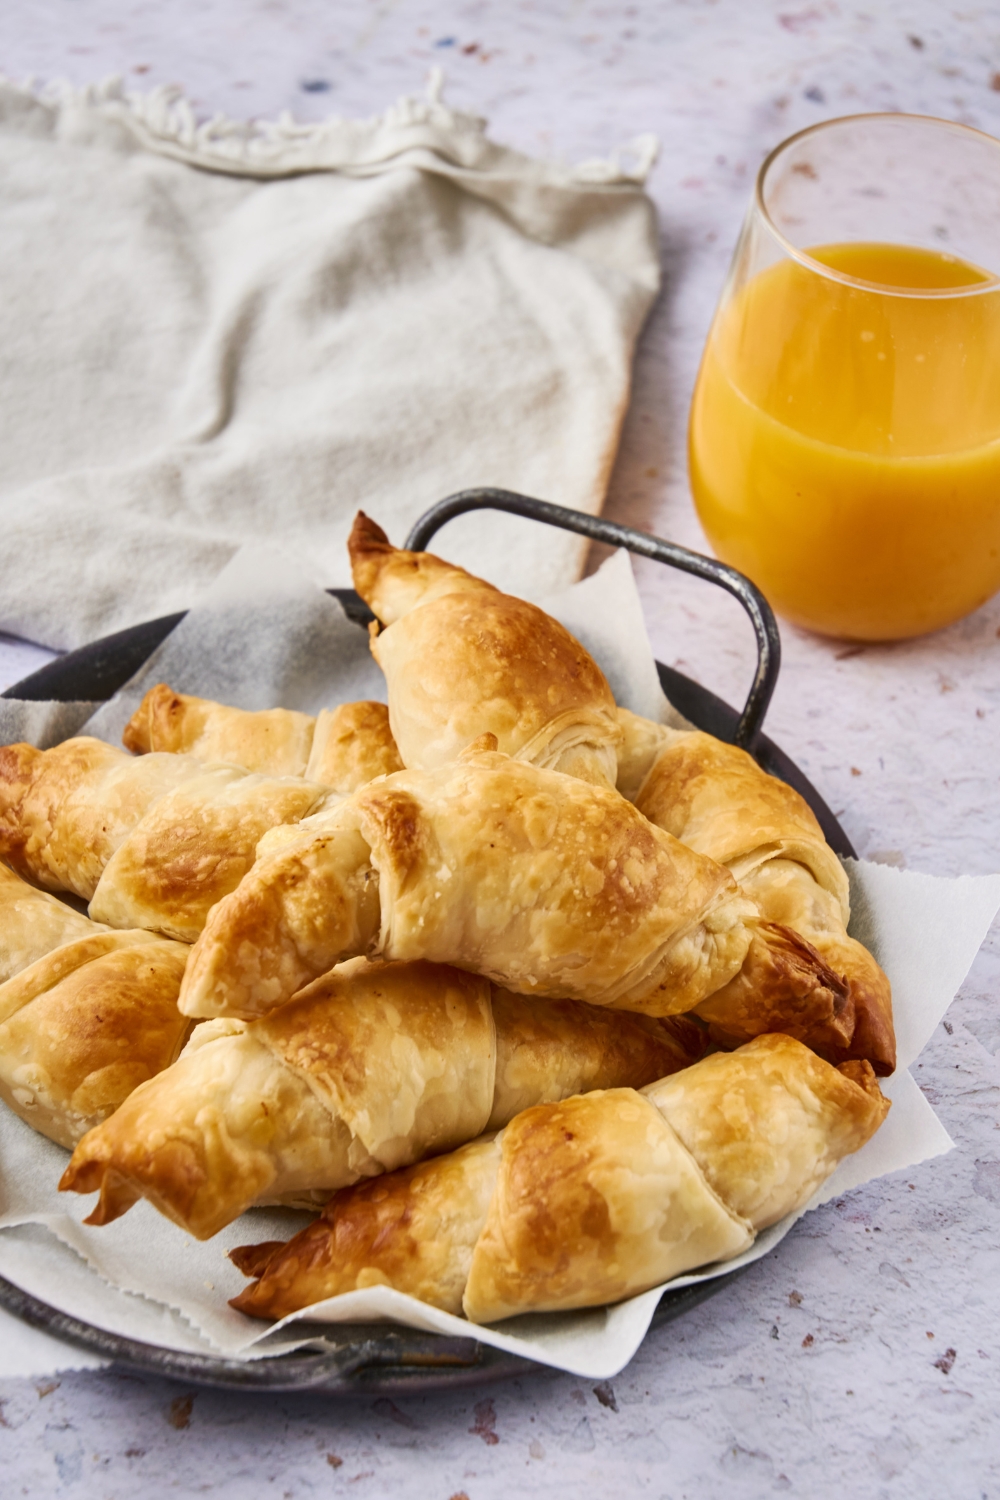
717,800
341,749
461,659
86,1014
371,1067
544,884
590,1200
150,841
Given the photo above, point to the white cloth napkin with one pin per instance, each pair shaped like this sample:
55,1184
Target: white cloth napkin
361,313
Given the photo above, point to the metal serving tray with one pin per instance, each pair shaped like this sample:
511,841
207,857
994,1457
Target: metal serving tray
359,1359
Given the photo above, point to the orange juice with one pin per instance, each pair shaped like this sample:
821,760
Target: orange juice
845,438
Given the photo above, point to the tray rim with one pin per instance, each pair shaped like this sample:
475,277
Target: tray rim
397,1361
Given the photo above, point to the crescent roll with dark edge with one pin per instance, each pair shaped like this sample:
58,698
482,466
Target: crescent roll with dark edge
590,1200
462,659
341,749
541,882
86,1014
150,841
371,1067
717,800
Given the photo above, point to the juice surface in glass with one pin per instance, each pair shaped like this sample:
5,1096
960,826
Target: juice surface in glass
845,438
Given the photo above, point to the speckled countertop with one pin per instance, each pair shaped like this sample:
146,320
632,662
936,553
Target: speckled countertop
864,1356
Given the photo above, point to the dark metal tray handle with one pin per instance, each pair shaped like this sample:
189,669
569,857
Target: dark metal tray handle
753,601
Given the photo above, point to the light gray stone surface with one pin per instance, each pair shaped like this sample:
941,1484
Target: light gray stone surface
864,1356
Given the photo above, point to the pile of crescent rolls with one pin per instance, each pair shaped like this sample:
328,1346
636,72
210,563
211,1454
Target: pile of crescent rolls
534,1002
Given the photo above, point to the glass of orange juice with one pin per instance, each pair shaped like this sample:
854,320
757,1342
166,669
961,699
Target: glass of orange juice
844,442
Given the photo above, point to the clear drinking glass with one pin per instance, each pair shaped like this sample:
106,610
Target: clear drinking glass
844,440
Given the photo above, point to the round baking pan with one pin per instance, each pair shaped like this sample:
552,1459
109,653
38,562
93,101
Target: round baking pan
360,1359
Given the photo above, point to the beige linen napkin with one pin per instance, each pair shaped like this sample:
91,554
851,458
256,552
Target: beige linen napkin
213,334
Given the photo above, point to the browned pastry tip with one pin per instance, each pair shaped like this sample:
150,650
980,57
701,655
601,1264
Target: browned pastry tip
393,581
785,985
117,1196
486,744
874,1033
860,1071
414,1228
156,722
367,547
252,1259
170,1177
367,536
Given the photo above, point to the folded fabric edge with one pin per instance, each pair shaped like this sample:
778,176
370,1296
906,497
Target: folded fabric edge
165,120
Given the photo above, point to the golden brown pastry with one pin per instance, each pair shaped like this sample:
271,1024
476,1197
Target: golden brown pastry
342,749
193,846
717,800
545,884
590,1200
461,659
86,1014
32,923
352,744
150,841
64,811
550,1049
371,1067
275,741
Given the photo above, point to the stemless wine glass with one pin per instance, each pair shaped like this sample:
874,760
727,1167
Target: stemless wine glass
845,430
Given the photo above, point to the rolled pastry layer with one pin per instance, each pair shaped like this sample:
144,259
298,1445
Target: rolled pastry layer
714,798
545,884
32,923
341,749
86,1014
590,1200
462,659
371,1067
150,841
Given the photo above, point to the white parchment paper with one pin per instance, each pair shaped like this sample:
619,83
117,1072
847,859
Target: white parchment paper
264,634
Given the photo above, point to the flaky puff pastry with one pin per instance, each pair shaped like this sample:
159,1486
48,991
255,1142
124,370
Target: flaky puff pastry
341,749
32,923
717,800
462,659
86,1014
150,841
550,1049
543,883
373,1066
590,1200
